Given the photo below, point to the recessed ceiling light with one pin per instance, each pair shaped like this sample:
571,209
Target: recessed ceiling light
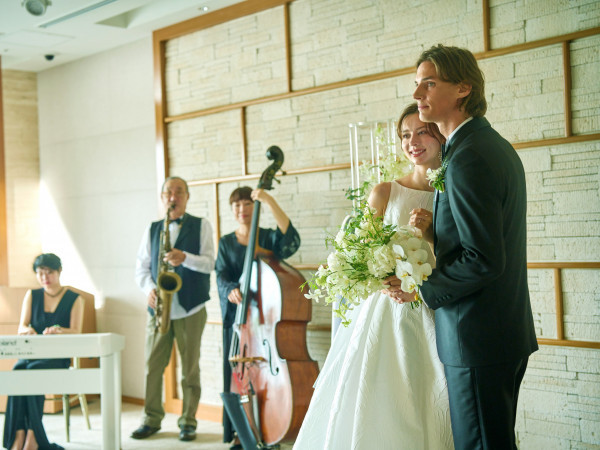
203,8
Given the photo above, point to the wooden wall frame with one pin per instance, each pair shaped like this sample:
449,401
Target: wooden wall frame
160,37
557,268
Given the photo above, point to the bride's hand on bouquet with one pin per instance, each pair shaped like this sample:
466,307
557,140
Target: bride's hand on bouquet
393,289
423,220
395,292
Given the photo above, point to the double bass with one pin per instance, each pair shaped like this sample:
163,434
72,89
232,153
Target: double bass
272,372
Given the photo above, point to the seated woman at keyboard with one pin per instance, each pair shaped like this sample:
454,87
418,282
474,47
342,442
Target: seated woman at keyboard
52,309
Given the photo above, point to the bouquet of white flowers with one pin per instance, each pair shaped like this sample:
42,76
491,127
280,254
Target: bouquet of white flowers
365,252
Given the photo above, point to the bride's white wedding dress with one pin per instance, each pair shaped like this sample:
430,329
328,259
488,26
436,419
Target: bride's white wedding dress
382,385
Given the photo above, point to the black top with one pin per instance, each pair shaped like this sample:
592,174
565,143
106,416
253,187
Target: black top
230,262
40,319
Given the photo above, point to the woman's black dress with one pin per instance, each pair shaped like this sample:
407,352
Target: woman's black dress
229,267
25,412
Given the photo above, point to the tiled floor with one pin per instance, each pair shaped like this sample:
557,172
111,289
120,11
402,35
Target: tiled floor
209,434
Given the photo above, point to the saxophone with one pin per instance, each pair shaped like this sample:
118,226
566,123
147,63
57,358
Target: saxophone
167,281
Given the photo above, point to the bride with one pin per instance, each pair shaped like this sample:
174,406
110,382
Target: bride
382,385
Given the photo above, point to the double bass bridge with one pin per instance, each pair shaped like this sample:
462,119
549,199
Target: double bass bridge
247,359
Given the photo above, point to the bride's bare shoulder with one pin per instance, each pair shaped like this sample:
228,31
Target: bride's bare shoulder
379,196
382,189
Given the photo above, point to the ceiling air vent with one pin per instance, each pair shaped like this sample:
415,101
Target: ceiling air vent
77,13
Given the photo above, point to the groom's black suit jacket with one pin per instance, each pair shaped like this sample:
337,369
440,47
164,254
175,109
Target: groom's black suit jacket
479,288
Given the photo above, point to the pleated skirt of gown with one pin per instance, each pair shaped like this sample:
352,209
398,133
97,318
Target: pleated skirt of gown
382,385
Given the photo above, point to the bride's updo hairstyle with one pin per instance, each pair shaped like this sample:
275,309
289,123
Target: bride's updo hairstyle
432,128
48,261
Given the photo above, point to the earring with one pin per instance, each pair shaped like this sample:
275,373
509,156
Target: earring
440,155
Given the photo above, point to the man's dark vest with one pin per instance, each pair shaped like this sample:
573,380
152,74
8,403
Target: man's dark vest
195,286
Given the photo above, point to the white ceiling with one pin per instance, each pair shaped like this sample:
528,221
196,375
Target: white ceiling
95,26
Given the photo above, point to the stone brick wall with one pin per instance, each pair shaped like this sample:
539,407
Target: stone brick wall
525,94
19,91
585,65
204,67
337,40
517,21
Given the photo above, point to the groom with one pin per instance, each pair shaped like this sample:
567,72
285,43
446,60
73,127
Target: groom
484,324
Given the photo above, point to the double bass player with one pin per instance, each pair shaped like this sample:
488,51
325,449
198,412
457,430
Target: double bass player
283,242
191,256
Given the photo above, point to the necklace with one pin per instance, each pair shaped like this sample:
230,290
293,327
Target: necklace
55,295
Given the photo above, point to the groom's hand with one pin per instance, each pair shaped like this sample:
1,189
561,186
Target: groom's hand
423,220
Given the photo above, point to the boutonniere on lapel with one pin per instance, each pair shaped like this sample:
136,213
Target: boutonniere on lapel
437,177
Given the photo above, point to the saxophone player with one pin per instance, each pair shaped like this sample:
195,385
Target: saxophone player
191,256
